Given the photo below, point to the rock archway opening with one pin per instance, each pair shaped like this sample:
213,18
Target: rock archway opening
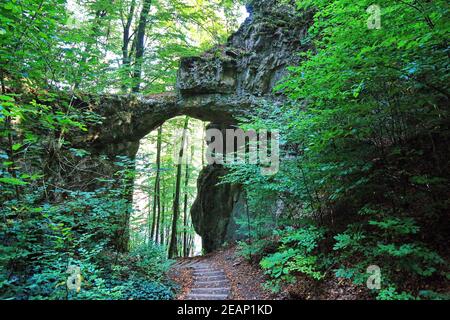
227,83
165,180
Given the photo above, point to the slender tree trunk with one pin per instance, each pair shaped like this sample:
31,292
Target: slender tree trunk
173,250
191,243
163,211
157,191
186,183
140,37
126,38
186,195
203,145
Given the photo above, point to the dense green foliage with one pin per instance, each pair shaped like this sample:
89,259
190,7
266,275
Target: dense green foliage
365,134
365,175
60,214
47,228
91,45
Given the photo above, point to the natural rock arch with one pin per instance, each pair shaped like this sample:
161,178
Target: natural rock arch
224,83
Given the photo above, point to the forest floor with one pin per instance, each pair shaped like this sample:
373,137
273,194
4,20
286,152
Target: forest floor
246,280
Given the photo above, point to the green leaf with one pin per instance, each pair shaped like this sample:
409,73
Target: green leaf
13,181
6,98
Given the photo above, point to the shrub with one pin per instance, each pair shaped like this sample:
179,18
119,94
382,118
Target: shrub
297,253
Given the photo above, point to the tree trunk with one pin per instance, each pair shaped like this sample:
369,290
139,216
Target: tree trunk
173,250
185,222
140,37
186,183
163,211
157,191
203,145
126,40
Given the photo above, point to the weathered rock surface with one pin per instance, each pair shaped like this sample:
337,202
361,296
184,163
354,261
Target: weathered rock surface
247,67
212,210
226,82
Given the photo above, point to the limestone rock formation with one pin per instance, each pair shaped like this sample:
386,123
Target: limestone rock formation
226,82
247,67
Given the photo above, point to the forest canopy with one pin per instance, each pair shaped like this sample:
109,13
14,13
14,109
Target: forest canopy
98,46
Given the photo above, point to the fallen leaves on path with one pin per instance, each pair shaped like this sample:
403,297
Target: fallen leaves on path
183,277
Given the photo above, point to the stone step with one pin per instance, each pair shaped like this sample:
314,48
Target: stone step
191,264
204,269
212,284
208,273
201,265
210,291
207,297
210,278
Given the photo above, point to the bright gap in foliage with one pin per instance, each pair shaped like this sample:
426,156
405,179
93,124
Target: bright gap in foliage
145,201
